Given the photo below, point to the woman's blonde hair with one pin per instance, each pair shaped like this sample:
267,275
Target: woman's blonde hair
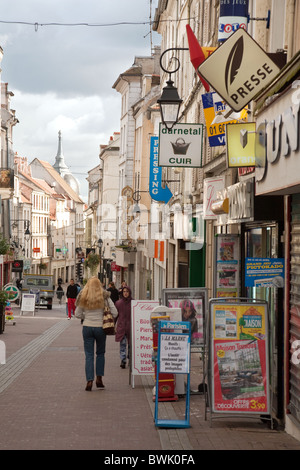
92,297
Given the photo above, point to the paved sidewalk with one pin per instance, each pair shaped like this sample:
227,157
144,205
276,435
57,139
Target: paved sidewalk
43,404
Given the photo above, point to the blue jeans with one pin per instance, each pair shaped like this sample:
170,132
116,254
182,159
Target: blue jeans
92,335
124,346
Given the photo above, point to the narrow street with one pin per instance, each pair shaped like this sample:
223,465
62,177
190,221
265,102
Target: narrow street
44,405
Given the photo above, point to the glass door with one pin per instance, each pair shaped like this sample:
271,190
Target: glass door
263,242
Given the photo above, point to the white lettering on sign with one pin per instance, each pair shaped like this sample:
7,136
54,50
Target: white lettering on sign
142,336
282,137
240,198
296,352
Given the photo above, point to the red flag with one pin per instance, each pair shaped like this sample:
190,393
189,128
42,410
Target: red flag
196,54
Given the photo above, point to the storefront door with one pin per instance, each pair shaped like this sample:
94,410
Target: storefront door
263,241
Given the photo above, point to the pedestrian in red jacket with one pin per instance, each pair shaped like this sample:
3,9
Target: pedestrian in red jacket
124,324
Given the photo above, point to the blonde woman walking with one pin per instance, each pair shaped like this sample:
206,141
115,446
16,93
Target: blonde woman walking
89,308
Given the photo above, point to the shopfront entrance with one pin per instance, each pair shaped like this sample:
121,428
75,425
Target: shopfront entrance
263,240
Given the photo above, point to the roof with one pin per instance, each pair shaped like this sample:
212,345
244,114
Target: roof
41,184
56,176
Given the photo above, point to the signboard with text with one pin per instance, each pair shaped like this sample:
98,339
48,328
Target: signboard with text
173,357
239,155
239,352
156,190
174,353
214,108
142,337
28,303
181,146
264,272
233,15
244,69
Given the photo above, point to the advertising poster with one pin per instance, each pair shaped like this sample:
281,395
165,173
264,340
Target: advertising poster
174,354
239,347
233,15
264,272
142,336
227,266
214,108
192,304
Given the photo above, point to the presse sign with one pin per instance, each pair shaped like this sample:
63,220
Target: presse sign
238,70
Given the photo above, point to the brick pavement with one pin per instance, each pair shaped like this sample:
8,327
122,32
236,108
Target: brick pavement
43,404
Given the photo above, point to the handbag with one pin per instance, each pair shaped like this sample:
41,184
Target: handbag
108,321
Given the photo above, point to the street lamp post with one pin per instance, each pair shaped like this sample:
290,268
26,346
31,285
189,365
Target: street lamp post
137,197
100,244
170,101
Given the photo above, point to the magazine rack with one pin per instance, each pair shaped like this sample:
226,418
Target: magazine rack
238,367
173,357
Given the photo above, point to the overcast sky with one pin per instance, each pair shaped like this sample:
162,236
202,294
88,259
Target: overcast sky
62,76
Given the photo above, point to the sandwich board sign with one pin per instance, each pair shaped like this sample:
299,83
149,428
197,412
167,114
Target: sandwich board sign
238,70
173,356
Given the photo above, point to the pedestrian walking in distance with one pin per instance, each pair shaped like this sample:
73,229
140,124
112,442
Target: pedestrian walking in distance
123,284
71,296
114,293
60,293
89,308
123,324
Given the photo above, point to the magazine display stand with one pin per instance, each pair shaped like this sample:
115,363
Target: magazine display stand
193,304
238,367
173,357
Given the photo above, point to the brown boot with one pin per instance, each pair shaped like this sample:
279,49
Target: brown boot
99,383
89,385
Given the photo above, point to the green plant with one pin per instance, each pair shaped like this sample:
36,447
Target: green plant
4,297
92,261
4,245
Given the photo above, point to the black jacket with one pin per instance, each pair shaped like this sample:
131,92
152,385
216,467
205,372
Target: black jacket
72,292
114,294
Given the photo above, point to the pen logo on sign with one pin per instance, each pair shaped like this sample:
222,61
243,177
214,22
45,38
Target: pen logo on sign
234,62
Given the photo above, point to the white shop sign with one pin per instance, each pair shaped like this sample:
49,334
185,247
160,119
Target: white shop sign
28,303
240,197
240,203
181,146
281,174
142,337
211,187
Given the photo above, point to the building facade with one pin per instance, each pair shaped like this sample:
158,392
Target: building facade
255,208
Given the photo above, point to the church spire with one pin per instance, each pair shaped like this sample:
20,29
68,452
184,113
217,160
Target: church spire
62,168
59,164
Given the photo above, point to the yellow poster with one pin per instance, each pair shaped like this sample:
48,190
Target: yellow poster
239,322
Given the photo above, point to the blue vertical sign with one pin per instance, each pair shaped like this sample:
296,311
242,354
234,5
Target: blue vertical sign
157,192
233,15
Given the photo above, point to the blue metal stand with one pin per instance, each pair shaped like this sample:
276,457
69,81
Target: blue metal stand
173,330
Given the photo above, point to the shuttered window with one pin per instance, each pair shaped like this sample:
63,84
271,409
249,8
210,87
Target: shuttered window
294,325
